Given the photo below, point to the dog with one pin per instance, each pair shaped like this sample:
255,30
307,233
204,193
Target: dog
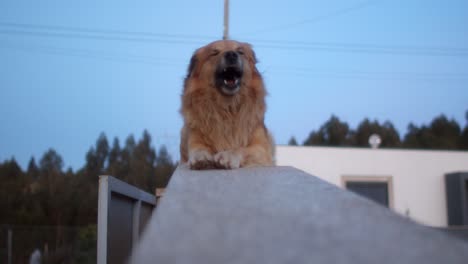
223,109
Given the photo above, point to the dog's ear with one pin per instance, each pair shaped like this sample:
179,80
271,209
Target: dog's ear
251,53
254,57
192,65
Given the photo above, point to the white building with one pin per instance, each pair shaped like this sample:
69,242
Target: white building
412,182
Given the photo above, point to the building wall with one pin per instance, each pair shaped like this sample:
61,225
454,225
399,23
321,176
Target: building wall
417,175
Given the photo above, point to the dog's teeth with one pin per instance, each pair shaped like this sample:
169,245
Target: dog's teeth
225,82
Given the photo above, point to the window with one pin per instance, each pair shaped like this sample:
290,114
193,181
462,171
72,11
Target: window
456,189
466,200
378,189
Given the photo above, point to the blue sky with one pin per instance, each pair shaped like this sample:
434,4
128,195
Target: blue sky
71,70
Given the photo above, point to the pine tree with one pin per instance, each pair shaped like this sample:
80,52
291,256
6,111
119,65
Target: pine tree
164,168
52,191
142,164
332,133
102,151
33,170
114,166
11,190
440,134
292,141
464,139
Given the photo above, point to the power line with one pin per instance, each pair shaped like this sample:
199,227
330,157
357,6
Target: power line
364,50
97,37
356,45
298,71
369,75
115,35
100,31
361,48
315,19
93,54
318,46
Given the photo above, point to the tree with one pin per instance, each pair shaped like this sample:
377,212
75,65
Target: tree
126,159
164,168
390,136
114,166
130,144
92,164
10,170
386,131
332,133
413,137
96,159
464,139
46,195
87,182
440,134
102,151
53,193
11,190
142,163
464,135
163,157
51,163
292,141
114,154
33,170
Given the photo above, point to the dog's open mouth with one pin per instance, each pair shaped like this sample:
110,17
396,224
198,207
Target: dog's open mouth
229,79
231,76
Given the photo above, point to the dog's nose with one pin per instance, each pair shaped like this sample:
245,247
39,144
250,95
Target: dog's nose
231,57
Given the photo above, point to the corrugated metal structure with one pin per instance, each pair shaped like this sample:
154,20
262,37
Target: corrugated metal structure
123,213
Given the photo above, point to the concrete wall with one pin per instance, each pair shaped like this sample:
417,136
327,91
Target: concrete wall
281,215
417,175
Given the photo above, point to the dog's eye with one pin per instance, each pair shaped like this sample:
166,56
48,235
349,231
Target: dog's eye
214,52
240,51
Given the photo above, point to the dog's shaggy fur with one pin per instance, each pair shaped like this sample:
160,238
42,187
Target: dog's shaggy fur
223,107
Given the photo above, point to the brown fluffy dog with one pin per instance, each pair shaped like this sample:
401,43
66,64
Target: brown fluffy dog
223,106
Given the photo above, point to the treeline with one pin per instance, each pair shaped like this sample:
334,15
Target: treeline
46,194
441,133
54,210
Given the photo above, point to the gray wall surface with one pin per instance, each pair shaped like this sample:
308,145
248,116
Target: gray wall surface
282,215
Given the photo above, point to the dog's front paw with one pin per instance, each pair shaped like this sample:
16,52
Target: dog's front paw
200,159
228,159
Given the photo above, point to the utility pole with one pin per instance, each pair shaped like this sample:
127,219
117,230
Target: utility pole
9,245
226,20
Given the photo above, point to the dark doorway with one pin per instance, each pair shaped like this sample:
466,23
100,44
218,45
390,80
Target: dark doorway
466,199
376,191
456,189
